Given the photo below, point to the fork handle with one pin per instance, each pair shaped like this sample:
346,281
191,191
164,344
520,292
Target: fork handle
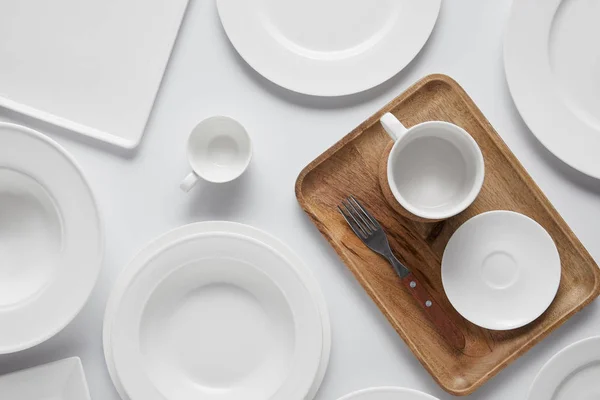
436,314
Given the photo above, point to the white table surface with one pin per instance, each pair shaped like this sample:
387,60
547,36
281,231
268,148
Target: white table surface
139,197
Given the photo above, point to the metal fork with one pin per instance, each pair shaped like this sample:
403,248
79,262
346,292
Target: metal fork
370,232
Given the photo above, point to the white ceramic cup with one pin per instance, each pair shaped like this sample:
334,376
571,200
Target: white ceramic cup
219,150
435,169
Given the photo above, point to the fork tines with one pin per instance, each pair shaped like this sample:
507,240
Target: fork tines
362,223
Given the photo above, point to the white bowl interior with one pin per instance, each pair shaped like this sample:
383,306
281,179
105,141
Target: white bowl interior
30,237
200,335
219,149
435,170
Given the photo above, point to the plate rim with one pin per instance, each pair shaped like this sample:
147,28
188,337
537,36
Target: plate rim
564,352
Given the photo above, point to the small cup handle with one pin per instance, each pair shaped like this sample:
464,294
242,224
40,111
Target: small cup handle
393,126
188,183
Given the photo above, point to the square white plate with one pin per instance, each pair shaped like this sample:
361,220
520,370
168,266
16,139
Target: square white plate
60,380
92,67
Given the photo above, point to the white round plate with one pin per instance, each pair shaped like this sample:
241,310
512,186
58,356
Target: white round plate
388,393
328,48
573,373
551,58
501,270
205,231
50,238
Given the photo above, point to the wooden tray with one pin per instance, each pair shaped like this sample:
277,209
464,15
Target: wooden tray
351,167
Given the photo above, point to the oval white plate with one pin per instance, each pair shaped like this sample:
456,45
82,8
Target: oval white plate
50,238
551,58
211,228
328,48
501,270
573,373
388,393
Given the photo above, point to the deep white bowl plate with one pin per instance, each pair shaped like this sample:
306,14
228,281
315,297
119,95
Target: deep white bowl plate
573,373
215,312
328,48
50,238
501,270
388,393
60,380
551,57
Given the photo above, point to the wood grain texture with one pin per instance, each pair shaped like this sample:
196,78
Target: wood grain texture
352,166
446,326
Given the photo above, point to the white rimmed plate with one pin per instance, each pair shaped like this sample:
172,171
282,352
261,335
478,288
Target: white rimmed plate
328,48
551,58
211,228
50,238
388,393
573,373
60,380
501,270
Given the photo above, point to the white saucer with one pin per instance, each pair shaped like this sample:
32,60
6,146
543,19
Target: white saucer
209,231
328,48
573,373
50,238
501,270
551,55
388,393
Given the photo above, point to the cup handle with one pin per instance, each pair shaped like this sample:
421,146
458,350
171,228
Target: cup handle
188,183
392,126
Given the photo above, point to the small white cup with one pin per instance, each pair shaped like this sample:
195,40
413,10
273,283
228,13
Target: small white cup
219,150
435,169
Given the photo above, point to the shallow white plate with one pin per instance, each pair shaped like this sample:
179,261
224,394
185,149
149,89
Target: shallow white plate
388,393
50,238
328,48
552,59
501,270
198,231
93,67
60,380
573,373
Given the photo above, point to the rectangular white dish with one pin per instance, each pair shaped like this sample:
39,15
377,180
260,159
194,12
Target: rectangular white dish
93,67
60,380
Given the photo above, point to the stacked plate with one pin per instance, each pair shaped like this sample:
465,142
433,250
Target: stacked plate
216,310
